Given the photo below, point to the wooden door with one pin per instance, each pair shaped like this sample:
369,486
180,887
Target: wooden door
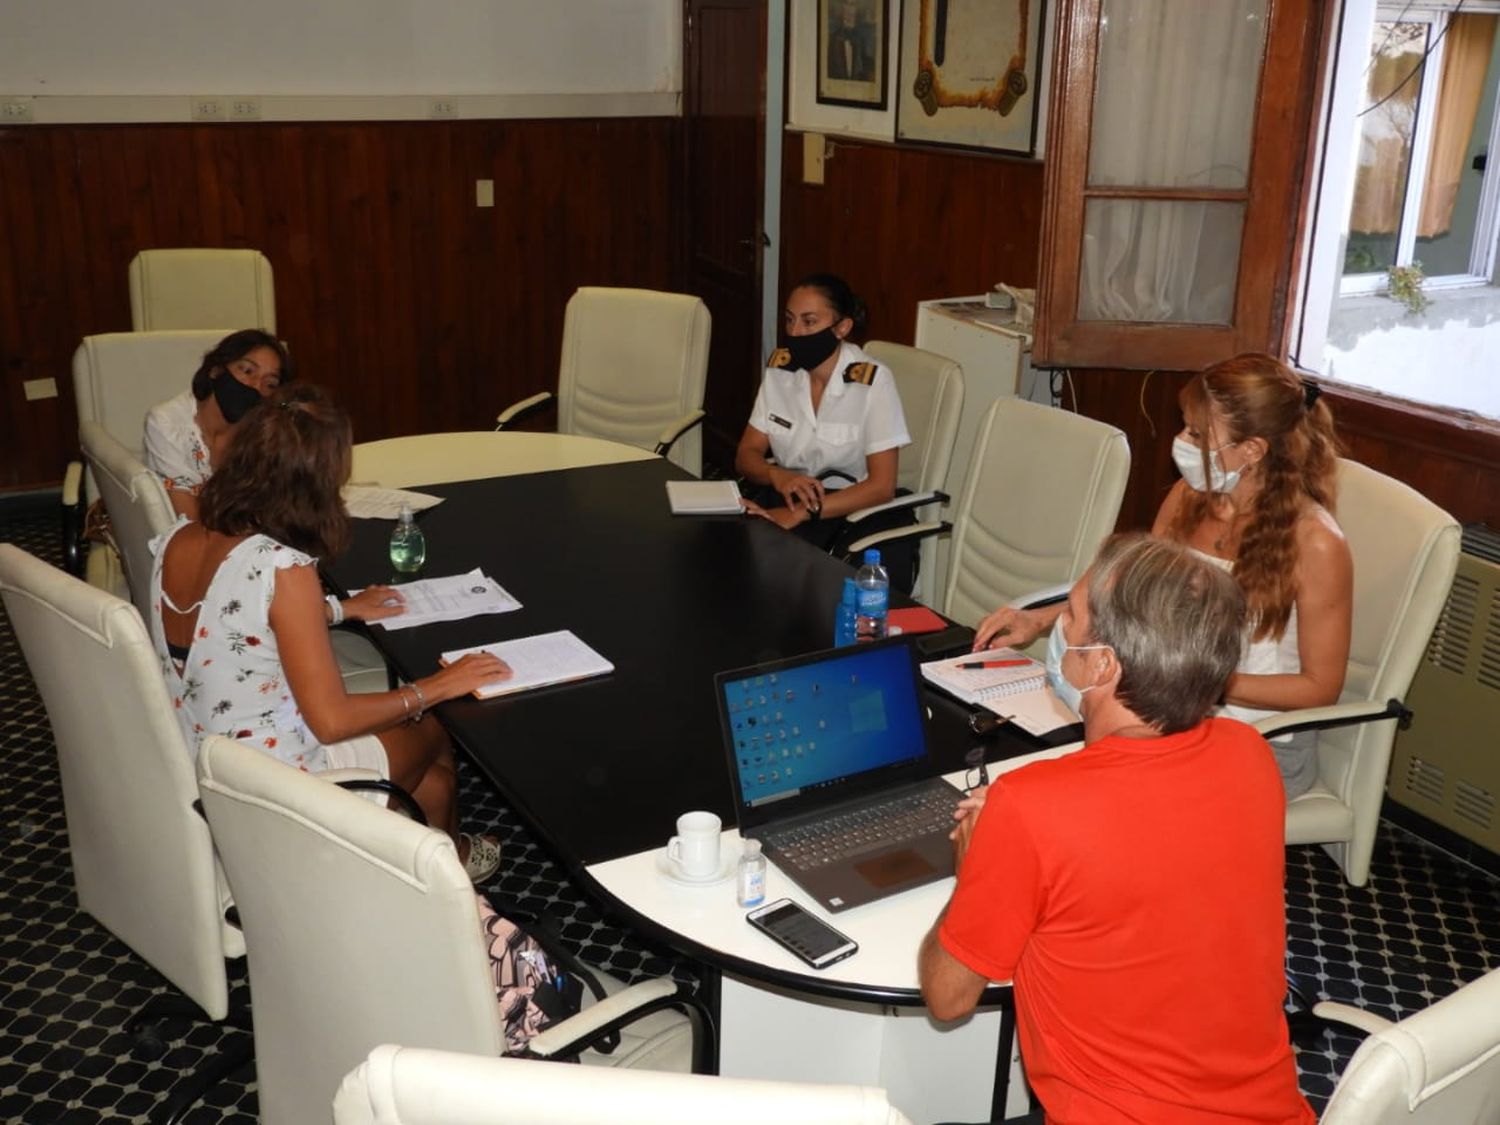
724,66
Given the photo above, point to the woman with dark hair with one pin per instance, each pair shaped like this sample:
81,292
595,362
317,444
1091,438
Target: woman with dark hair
1258,459
241,630
187,435
828,414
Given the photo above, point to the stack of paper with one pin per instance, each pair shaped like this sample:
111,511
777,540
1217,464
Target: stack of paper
450,599
704,497
548,658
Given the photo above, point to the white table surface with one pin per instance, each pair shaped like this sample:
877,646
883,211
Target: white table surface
403,462
888,931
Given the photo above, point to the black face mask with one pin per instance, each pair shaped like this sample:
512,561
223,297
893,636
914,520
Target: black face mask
806,352
234,398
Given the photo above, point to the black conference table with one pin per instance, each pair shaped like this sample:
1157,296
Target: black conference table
600,769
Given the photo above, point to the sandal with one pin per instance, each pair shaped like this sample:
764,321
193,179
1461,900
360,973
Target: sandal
484,856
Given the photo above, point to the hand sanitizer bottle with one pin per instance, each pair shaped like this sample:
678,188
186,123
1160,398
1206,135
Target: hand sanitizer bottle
751,888
408,544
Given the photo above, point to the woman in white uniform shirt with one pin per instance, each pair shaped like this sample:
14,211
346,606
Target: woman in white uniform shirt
829,415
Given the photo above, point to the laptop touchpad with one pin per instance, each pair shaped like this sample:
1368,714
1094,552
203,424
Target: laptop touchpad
894,867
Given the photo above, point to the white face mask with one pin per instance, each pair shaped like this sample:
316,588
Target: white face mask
1189,460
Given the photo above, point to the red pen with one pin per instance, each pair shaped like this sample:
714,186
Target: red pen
976,665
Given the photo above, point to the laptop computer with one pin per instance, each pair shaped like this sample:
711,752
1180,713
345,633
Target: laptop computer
831,770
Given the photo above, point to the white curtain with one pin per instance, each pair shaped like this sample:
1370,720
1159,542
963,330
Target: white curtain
1173,108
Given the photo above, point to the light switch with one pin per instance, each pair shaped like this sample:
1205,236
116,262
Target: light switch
484,193
39,388
812,158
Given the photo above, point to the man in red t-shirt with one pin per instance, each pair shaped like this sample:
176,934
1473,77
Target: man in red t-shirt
1133,890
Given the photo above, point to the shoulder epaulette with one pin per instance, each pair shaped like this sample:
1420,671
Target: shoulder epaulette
779,358
860,373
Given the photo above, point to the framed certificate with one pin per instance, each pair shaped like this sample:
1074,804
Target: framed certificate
969,73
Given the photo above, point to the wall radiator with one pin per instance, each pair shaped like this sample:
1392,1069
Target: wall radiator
1446,766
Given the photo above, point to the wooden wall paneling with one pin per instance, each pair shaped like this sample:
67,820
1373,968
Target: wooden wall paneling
1144,405
419,310
905,224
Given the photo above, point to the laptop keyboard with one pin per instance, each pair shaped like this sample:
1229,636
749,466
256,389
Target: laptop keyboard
866,829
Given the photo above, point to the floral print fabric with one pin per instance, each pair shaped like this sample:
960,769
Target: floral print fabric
232,682
175,450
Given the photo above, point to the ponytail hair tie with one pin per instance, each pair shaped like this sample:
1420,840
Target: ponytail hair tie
1310,393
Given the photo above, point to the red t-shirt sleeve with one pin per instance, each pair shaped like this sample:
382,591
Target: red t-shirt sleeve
1000,892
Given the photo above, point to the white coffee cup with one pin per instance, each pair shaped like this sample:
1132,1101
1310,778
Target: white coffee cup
695,848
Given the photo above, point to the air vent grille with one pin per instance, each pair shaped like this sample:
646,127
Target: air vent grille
1425,779
1488,672
1454,633
1474,804
1482,542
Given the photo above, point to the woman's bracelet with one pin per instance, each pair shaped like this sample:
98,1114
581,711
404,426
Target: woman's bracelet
405,704
336,608
421,703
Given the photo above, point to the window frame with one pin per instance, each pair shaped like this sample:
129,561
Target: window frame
1275,190
1482,255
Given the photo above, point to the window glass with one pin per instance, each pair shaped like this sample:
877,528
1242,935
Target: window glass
1461,134
1201,104
1173,261
1387,127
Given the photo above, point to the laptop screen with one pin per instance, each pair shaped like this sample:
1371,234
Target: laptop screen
807,724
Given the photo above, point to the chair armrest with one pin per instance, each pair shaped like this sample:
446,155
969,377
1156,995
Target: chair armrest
604,1017
1334,715
363,781
517,410
1048,595
899,504
674,431
73,518
1334,1012
72,485
894,534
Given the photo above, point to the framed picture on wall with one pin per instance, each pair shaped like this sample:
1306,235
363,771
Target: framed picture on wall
969,71
852,52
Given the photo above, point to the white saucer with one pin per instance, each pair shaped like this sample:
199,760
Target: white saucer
673,874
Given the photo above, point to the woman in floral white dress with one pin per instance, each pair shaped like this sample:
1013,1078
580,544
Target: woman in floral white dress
241,620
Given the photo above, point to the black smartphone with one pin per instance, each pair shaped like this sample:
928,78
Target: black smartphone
806,935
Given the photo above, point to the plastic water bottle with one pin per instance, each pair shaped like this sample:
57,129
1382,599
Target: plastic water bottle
844,617
751,885
408,544
874,586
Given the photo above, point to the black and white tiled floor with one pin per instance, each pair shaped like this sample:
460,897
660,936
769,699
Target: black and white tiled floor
1425,924
67,986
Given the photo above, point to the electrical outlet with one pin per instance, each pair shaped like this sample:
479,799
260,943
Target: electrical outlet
484,193
244,109
442,108
207,109
39,388
13,110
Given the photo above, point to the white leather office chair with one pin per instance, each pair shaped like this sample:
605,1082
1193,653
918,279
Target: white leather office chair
634,363
201,288
117,378
405,1086
1440,1066
143,863
1043,491
931,387
1405,551
137,504
361,928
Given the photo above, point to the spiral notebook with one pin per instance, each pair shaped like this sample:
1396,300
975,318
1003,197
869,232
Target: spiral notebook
1010,673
